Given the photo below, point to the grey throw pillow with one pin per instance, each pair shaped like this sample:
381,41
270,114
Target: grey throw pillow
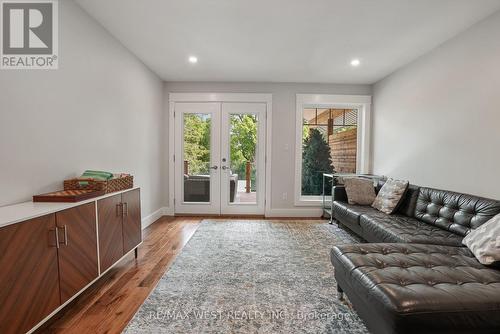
484,241
390,196
359,191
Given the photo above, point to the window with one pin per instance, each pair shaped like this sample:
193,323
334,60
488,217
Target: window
329,142
330,138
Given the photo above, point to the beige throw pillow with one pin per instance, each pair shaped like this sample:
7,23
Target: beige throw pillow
359,191
390,196
484,241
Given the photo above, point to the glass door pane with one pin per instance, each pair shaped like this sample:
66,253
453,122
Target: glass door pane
243,158
243,147
196,159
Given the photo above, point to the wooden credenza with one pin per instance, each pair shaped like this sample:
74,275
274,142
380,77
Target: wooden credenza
119,226
48,260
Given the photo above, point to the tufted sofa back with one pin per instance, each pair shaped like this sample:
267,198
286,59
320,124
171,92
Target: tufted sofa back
452,211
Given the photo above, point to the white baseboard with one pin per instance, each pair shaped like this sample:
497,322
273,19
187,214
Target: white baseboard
295,212
291,212
168,211
150,219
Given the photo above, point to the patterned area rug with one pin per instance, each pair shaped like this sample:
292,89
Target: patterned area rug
251,277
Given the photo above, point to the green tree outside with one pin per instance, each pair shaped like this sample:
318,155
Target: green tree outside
316,160
243,143
197,143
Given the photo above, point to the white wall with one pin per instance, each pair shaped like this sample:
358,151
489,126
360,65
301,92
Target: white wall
436,121
102,109
283,123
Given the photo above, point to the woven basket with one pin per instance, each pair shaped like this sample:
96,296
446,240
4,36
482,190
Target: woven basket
109,186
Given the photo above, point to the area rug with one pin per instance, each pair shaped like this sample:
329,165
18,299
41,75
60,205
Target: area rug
238,276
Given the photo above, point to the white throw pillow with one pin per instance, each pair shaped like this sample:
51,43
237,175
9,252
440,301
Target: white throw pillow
484,241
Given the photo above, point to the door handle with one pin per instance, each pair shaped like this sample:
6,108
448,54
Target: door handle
65,235
118,211
214,167
125,211
58,240
224,167
57,237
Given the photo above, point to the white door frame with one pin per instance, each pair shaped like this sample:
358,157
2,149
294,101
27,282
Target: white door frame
219,97
212,206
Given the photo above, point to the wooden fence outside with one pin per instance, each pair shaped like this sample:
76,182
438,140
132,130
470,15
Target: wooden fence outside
343,146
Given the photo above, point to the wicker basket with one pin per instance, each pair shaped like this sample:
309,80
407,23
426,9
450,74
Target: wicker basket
109,186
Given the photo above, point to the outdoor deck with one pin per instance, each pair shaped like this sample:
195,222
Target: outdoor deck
242,196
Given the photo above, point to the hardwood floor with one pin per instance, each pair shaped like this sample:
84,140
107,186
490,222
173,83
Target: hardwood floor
111,302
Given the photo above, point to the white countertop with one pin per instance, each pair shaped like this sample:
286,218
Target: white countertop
17,213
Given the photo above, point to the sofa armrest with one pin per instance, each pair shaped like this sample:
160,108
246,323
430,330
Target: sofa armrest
339,193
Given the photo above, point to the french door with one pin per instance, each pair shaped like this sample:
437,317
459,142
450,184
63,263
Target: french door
219,158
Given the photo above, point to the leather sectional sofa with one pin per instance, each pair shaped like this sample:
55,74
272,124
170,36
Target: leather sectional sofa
414,275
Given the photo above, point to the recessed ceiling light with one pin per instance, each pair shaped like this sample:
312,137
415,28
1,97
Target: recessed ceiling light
193,59
355,62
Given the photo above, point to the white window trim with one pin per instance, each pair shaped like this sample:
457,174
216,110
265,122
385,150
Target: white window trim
360,102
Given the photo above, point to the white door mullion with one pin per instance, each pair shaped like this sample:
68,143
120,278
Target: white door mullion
225,162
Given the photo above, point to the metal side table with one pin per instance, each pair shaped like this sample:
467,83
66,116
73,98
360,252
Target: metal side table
327,196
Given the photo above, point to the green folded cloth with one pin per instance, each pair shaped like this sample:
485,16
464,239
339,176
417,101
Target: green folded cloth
96,175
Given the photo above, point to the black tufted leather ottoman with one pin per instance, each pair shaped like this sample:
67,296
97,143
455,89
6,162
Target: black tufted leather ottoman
417,288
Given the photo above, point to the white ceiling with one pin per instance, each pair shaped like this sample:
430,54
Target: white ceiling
284,40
